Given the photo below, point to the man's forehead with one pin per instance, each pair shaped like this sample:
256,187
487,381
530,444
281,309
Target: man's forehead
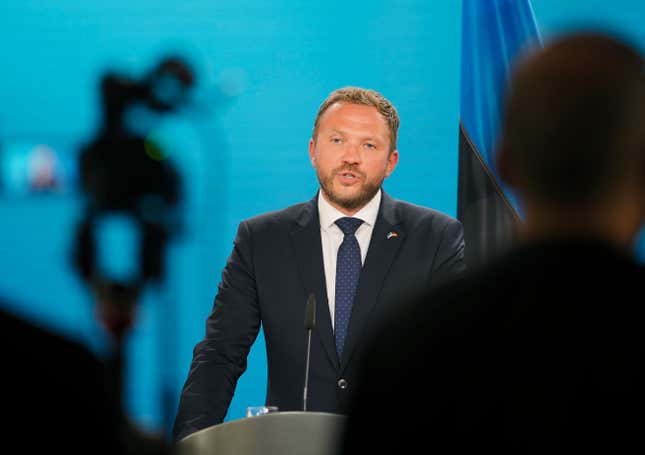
354,113
337,105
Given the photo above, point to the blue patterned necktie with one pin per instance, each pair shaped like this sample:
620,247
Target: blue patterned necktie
348,269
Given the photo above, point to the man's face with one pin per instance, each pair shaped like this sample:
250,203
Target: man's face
351,155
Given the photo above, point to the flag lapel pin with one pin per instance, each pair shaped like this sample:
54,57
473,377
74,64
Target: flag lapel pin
391,234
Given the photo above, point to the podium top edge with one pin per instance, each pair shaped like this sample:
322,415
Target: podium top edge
278,415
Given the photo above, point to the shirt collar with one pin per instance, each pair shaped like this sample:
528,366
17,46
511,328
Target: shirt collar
329,214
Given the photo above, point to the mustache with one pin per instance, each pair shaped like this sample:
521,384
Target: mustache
348,168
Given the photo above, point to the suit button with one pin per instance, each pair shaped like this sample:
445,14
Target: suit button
342,383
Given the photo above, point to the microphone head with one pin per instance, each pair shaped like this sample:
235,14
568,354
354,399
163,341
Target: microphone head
310,312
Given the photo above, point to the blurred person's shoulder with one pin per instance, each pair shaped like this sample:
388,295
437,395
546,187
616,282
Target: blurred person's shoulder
22,335
528,281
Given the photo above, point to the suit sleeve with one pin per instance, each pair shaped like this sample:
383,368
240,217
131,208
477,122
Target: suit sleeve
449,258
220,357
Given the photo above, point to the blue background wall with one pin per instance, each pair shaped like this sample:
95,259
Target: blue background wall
263,68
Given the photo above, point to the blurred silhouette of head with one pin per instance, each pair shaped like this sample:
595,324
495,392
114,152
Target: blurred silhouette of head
572,143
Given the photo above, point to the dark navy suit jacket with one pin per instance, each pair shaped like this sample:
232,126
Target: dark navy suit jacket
276,263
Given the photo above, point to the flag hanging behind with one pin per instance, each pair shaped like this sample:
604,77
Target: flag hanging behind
494,34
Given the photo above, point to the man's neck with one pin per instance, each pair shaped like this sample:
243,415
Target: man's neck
615,225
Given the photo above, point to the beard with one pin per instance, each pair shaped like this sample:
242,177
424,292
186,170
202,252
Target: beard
354,202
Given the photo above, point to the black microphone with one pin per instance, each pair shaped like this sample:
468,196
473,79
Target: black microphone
310,323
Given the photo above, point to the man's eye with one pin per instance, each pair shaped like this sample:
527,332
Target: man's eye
370,145
336,140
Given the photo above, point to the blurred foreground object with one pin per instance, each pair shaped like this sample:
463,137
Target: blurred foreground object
541,350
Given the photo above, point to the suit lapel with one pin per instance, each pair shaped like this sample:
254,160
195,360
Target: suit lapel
308,251
381,253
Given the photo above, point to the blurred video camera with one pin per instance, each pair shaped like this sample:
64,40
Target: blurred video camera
132,190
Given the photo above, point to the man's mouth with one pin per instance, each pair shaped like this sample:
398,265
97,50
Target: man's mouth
348,178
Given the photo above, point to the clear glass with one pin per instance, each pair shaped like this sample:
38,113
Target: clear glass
254,411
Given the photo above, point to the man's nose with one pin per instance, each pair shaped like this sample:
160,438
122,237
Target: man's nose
352,154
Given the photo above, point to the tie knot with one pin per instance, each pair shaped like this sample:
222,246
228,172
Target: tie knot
348,225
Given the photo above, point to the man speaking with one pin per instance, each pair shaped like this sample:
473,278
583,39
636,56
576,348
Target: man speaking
354,248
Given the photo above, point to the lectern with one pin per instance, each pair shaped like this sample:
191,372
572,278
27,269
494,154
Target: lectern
279,433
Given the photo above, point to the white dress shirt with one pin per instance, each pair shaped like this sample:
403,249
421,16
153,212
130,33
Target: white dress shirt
331,237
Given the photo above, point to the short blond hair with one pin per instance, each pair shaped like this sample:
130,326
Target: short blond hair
366,97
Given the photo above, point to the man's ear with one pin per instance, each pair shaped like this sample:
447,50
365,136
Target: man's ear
312,152
392,161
